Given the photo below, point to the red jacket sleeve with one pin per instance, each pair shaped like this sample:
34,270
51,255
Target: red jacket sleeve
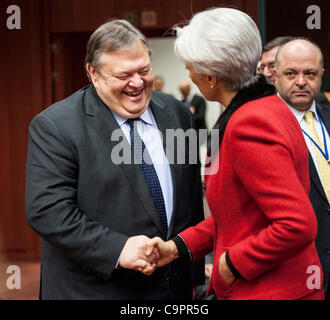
204,232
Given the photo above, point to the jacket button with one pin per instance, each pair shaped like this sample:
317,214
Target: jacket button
166,277
327,211
327,250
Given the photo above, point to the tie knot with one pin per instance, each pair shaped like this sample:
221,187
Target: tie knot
309,117
131,122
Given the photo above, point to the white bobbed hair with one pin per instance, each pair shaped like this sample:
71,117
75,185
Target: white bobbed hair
221,41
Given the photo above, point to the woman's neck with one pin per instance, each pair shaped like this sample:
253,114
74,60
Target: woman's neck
225,95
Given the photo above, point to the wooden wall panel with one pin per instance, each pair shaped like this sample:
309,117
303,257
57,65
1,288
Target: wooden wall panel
79,15
82,15
68,57
25,91
179,11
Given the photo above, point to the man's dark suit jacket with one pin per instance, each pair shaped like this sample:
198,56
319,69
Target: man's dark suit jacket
321,206
199,117
85,207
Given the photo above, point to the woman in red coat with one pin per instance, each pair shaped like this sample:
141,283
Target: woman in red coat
263,227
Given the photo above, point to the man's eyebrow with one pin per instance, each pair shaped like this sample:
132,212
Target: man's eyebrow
312,69
125,72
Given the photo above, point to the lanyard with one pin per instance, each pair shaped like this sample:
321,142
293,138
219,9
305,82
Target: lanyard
326,152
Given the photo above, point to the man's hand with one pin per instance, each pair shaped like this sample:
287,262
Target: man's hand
208,270
139,254
192,109
167,251
224,271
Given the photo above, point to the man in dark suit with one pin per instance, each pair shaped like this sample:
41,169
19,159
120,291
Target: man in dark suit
299,71
195,102
93,208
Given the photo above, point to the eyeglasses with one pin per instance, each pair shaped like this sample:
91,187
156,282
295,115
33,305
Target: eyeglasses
269,66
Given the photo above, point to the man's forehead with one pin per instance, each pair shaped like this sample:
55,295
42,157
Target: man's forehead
300,62
124,62
300,51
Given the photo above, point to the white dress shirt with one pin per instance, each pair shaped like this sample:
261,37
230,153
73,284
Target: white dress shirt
148,131
303,124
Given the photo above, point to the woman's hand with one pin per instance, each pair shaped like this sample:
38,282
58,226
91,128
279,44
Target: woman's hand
167,251
225,273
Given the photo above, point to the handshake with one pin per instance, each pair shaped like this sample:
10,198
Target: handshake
143,254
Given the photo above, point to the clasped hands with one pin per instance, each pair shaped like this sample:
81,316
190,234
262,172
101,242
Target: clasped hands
143,254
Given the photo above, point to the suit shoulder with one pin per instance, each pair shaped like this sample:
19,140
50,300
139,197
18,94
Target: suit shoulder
68,107
168,100
324,108
198,97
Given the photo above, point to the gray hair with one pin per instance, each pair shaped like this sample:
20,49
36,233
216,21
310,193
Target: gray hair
221,41
112,36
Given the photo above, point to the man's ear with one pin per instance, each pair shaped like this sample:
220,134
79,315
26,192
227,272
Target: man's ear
274,73
92,73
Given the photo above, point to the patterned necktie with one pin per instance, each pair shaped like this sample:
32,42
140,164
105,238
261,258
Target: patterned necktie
142,157
322,163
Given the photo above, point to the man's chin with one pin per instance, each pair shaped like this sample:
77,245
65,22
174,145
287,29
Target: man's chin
134,111
302,105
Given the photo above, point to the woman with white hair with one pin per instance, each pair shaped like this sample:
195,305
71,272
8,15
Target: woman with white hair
263,228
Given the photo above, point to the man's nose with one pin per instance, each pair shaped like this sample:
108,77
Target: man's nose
136,81
267,72
301,81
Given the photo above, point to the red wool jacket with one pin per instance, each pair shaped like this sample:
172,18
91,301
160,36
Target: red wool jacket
260,208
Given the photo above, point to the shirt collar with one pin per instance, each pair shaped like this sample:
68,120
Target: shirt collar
145,117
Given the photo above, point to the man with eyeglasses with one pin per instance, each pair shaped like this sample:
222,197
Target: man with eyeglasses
267,62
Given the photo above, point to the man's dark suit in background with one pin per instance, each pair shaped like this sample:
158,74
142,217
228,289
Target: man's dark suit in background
199,104
195,102
321,206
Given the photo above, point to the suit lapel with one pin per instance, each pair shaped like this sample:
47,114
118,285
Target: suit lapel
315,179
101,119
324,112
